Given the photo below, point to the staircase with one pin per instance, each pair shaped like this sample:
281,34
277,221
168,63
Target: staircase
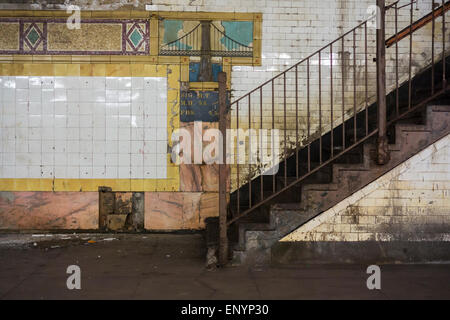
334,164
254,239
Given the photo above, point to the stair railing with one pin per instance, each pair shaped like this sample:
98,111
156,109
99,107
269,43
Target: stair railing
294,103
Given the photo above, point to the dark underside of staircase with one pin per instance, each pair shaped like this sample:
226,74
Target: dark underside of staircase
366,122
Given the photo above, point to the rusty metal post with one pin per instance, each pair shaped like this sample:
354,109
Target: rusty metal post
382,143
223,172
205,59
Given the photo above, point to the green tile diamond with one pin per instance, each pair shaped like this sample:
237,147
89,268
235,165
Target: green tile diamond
136,37
33,36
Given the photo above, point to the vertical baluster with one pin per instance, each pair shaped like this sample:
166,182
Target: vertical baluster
331,101
397,99
285,130
237,159
320,107
273,128
260,137
250,156
444,79
296,123
410,56
366,79
308,115
343,92
354,87
433,30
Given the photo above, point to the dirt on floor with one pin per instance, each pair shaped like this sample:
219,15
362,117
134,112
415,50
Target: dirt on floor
168,266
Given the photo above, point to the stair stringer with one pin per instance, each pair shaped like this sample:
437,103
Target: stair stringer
255,244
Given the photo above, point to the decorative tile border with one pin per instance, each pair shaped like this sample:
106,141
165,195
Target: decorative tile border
34,36
9,36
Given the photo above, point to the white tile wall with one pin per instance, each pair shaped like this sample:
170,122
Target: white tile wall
83,127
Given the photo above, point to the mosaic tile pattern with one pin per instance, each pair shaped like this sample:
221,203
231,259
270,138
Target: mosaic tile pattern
9,36
227,38
89,38
95,37
83,127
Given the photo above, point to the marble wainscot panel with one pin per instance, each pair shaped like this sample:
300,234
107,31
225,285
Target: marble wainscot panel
48,210
209,207
196,177
167,211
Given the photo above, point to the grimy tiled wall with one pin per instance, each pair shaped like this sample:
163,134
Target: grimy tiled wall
84,127
95,108
181,199
409,203
78,115
291,31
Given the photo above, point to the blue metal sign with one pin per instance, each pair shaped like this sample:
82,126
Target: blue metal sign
199,106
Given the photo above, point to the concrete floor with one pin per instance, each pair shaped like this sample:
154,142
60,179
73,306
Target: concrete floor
149,266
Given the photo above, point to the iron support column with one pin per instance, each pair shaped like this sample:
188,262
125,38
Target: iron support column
223,172
382,143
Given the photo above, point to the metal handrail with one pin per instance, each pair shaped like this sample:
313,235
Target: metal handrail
352,117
